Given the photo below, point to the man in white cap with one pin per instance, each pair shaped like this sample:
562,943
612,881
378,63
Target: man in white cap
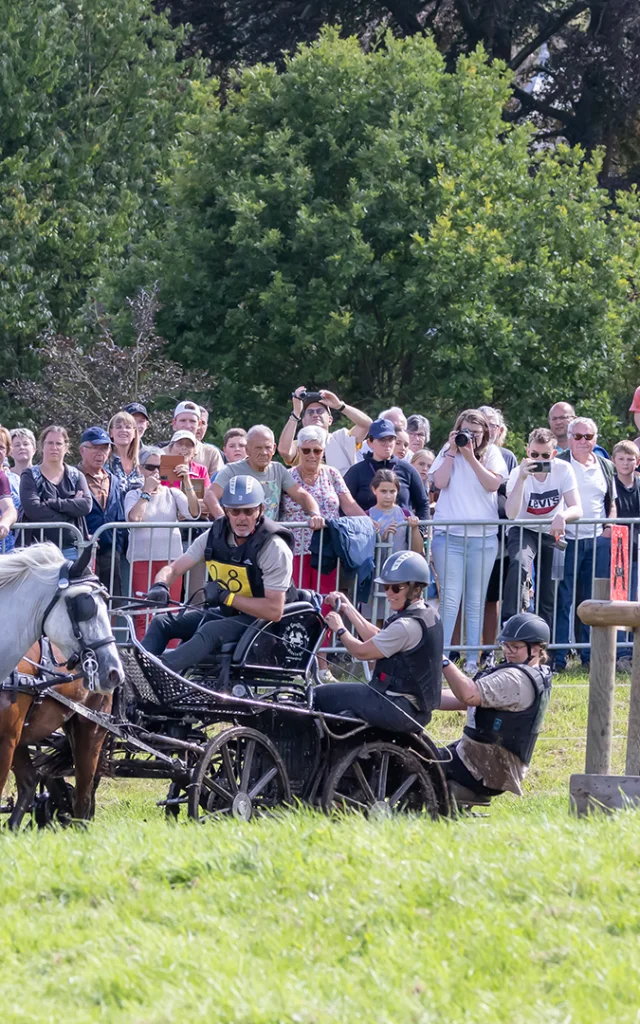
189,416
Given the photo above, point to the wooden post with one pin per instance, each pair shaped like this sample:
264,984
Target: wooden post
632,766
602,681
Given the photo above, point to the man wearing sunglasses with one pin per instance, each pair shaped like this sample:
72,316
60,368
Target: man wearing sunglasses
597,492
505,708
542,490
318,409
407,679
249,561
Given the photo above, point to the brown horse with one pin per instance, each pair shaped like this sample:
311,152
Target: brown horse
85,737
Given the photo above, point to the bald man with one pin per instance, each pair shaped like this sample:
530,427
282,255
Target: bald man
274,477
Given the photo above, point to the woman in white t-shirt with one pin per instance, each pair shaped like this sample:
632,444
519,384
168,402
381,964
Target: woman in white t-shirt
468,472
553,497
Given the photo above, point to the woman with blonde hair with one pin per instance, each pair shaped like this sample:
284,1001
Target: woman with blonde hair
54,492
124,462
468,472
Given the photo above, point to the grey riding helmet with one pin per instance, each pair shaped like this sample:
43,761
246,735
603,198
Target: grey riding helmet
527,628
242,492
405,567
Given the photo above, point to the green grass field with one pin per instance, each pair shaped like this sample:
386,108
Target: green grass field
526,915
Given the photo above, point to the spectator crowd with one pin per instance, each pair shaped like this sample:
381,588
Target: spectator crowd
379,470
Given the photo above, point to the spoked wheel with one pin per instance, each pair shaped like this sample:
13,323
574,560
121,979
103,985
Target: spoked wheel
241,774
380,780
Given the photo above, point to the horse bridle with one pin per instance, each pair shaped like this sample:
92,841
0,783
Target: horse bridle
79,610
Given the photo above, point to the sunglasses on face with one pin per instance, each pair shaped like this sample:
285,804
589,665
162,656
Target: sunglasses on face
395,588
579,437
513,648
539,455
242,511
311,451
155,468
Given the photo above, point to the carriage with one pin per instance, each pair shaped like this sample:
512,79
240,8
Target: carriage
239,735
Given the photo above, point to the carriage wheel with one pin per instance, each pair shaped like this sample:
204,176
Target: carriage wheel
240,774
380,779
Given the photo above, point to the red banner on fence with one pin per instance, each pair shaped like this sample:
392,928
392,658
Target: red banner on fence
619,563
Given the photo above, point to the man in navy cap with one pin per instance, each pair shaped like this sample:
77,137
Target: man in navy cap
141,416
382,439
107,506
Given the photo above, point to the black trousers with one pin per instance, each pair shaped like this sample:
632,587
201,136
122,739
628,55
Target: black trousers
365,702
458,772
520,562
203,633
103,572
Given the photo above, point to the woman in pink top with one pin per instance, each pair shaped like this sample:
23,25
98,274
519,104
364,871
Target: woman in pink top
184,443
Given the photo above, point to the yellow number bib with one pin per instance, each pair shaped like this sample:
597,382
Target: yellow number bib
234,577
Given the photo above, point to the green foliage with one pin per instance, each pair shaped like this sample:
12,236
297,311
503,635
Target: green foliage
91,99
368,222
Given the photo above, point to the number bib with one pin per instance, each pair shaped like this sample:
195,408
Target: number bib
234,577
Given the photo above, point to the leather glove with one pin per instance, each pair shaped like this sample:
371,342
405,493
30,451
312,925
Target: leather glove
159,593
215,594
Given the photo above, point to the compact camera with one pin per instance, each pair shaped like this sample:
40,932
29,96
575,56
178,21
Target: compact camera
308,396
463,438
540,467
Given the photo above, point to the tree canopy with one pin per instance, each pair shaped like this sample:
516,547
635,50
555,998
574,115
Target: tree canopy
92,98
575,63
368,221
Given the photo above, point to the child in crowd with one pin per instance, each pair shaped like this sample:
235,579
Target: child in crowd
388,515
625,457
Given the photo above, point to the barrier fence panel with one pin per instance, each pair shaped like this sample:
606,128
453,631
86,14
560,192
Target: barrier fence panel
466,558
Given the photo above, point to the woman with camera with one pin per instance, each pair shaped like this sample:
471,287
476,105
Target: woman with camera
468,472
541,487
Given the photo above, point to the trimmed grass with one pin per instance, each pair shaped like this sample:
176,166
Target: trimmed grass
523,916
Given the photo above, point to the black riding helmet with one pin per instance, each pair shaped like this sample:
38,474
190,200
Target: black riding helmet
527,628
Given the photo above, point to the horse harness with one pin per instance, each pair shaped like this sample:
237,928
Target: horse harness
80,608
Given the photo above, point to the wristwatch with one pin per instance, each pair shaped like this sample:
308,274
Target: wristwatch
145,496
445,662
341,407
292,416
339,632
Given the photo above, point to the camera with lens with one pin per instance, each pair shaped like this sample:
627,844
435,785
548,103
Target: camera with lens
308,396
540,467
463,438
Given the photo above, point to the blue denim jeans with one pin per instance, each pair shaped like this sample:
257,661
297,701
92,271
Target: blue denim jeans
463,564
579,568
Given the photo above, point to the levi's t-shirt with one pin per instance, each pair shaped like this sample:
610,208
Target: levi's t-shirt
541,499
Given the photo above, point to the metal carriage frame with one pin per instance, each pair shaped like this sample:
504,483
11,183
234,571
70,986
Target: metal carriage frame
244,738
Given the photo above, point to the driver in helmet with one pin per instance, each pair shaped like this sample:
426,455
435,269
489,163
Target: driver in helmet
505,707
249,560
406,683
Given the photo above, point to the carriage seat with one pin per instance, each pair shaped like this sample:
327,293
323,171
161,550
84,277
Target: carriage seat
238,649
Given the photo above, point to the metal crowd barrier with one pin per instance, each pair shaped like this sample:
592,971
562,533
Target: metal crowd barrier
376,608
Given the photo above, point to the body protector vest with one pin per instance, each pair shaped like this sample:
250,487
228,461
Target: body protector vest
236,565
416,673
516,731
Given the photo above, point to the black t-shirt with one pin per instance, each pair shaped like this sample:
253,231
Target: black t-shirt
628,500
